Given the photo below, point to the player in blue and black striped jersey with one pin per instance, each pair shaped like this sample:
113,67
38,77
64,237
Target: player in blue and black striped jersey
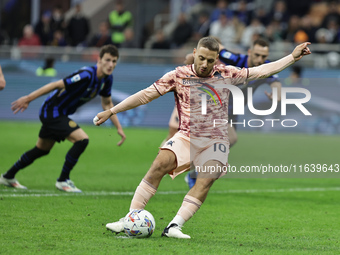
257,55
67,96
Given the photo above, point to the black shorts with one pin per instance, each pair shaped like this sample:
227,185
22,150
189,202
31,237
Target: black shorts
57,129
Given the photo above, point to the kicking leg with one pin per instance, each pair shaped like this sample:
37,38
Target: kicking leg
192,201
163,164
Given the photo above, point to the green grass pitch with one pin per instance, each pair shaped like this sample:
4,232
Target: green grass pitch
240,215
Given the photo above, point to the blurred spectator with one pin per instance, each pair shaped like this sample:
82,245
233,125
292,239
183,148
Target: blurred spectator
58,39
293,28
239,28
182,31
201,28
44,28
273,31
29,37
103,36
160,41
307,30
144,37
221,7
280,13
261,14
300,36
333,14
323,35
255,28
300,7
129,39
58,21
178,6
48,68
78,28
119,20
242,12
228,30
187,5
333,27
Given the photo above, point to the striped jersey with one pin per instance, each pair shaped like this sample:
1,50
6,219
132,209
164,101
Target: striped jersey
241,60
189,90
80,87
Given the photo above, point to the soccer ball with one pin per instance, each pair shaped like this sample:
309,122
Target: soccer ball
139,223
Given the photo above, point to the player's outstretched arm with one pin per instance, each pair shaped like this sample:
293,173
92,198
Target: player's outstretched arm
272,68
22,103
2,80
142,97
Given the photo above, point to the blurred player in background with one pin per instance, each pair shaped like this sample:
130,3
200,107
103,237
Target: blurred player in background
48,69
67,95
257,55
2,80
196,136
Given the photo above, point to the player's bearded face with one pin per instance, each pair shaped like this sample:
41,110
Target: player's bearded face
257,55
107,63
204,61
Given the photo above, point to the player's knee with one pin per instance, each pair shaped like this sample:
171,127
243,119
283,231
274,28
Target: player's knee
82,144
160,168
39,152
205,183
233,140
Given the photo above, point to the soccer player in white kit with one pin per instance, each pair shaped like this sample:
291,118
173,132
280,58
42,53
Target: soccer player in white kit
198,141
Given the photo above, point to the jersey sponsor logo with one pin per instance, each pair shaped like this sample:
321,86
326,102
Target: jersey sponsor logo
75,78
193,81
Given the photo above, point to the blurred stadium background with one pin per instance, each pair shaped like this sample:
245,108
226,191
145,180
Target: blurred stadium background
140,64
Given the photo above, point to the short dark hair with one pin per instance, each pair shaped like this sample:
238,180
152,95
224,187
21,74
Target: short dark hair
217,39
109,48
209,43
262,42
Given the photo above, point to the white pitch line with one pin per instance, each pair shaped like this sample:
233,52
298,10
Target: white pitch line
46,193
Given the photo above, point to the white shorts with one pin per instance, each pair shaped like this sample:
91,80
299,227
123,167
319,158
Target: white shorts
197,151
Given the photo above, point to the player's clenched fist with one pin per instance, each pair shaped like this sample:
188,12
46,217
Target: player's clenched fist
301,50
102,117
